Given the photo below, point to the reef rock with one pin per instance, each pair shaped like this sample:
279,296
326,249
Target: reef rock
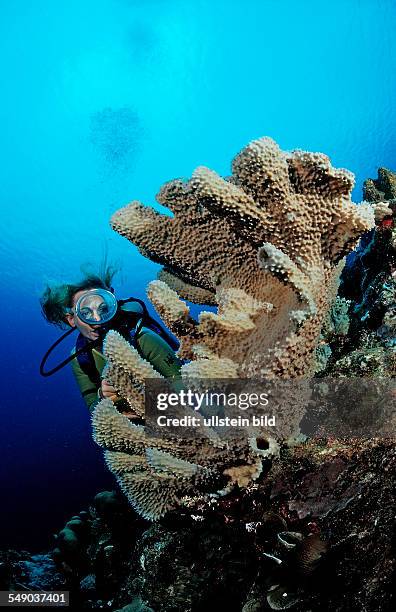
376,252
326,511
369,283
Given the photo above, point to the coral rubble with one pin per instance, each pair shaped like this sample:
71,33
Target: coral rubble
264,245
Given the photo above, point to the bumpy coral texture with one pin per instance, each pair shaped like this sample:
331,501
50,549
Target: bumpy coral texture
263,245
154,472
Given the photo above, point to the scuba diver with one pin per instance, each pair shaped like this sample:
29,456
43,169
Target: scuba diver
91,308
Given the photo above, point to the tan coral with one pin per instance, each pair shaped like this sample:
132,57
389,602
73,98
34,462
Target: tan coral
243,475
126,371
275,230
264,246
197,295
156,473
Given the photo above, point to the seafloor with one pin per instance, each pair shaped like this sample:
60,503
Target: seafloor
344,494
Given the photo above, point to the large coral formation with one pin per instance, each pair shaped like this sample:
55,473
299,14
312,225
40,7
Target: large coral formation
156,472
264,246
264,243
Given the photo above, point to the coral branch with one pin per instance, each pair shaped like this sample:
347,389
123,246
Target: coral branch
263,246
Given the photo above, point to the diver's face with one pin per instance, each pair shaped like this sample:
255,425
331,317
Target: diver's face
94,303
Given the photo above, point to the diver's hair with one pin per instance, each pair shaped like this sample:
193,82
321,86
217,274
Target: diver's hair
58,298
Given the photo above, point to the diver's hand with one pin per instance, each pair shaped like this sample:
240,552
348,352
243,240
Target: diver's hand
108,391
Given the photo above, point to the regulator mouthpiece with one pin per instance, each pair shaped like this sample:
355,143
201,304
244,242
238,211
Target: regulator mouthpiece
96,307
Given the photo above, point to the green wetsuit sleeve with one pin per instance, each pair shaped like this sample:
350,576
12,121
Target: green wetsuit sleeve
158,352
86,386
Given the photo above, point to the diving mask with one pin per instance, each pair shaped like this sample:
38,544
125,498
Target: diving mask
96,307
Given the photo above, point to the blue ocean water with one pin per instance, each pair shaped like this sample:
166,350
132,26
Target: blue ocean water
102,101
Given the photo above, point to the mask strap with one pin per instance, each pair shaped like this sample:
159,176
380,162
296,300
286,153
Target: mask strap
68,359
